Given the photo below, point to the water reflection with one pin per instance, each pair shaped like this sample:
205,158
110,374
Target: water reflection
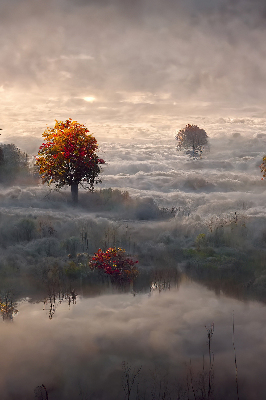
157,285
7,307
95,349
53,300
165,279
41,393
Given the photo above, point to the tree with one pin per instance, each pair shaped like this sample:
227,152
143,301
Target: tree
13,164
263,167
193,139
68,157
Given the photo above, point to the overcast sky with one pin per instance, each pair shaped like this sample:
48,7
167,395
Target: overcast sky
121,63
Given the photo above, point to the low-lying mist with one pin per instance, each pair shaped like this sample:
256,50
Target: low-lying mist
202,220
41,231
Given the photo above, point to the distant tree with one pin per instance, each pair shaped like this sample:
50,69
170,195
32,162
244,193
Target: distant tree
68,157
263,167
13,164
193,139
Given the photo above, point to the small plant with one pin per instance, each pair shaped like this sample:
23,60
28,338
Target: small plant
115,263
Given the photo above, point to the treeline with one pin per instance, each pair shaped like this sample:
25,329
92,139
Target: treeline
14,165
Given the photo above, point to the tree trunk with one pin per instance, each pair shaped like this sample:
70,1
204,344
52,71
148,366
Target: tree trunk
74,192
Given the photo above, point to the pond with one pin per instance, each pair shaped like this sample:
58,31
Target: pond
151,345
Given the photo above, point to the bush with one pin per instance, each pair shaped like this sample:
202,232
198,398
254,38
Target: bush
116,264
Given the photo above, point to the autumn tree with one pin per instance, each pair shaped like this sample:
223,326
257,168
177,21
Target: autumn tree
193,139
68,157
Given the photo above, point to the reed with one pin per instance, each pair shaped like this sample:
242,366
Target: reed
234,347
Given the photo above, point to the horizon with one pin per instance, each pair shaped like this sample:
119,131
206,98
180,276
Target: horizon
147,68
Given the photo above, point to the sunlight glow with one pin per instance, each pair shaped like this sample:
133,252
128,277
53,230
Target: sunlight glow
89,99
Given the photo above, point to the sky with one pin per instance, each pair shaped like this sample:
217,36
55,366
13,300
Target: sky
127,68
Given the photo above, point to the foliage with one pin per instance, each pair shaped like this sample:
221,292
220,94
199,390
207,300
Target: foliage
115,263
13,163
75,270
7,307
68,156
201,241
263,167
193,139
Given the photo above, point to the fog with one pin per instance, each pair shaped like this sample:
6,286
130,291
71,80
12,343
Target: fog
80,352
135,73
155,203
117,65
185,221
152,199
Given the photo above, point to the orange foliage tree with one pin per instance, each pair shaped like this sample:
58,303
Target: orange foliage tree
193,139
68,157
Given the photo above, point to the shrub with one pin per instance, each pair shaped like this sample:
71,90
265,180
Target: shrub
115,263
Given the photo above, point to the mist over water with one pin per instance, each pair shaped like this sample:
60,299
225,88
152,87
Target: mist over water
80,352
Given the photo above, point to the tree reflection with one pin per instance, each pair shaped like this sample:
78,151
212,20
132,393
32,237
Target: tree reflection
41,393
163,279
54,299
7,307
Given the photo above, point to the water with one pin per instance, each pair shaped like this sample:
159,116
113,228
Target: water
86,350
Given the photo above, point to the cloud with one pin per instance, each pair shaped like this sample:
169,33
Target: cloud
176,57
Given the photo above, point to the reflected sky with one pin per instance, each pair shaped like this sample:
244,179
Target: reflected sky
81,350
